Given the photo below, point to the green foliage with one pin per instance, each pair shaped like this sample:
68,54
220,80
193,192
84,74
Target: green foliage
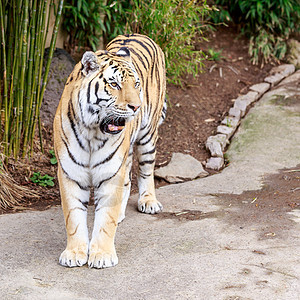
267,23
82,20
115,21
53,159
42,180
172,24
214,55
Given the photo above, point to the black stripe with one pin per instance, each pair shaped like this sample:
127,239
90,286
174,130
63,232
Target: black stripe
149,152
96,88
78,74
70,80
101,54
150,138
71,155
89,92
144,127
139,58
153,44
62,129
84,203
81,112
147,92
138,71
152,70
100,183
103,143
142,163
115,42
127,41
138,142
158,79
145,47
135,53
70,113
144,176
85,188
108,158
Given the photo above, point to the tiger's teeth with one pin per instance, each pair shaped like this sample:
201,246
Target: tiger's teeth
114,127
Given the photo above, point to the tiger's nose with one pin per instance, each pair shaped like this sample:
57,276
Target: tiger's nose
133,107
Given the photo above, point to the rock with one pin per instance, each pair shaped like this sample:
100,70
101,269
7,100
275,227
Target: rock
228,131
241,105
294,78
220,138
234,112
61,66
284,70
250,97
274,79
214,147
216,144
230,121
293,56
260,88
215,163
182,167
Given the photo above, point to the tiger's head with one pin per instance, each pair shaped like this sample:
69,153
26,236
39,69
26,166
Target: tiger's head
111,92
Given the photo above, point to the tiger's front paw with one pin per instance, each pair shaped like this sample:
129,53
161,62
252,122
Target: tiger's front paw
99,258
73,258
149,206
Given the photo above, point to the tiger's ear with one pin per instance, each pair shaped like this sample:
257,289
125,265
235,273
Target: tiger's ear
125,53
89,63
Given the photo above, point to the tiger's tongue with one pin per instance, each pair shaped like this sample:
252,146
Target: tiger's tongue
112,127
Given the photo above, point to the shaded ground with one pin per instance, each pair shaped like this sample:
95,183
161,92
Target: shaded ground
194,113
267,206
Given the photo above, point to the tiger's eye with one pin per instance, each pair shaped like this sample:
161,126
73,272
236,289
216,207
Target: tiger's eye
115,85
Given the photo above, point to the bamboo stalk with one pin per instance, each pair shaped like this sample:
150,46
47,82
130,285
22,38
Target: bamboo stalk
44,45
5,98
10,35
39,63
35,75
51,50
30,79
14,89
22,81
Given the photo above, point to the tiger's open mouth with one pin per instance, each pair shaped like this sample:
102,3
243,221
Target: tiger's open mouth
113,126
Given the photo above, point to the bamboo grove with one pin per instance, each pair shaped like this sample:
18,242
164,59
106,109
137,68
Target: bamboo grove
24,70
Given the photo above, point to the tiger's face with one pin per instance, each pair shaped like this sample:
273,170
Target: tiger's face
112,91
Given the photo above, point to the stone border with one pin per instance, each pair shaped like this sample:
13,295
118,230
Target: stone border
216,144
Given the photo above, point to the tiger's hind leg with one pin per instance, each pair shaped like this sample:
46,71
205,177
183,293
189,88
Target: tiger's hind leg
147,202
74,204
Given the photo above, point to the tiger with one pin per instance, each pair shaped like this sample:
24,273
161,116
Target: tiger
113,99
